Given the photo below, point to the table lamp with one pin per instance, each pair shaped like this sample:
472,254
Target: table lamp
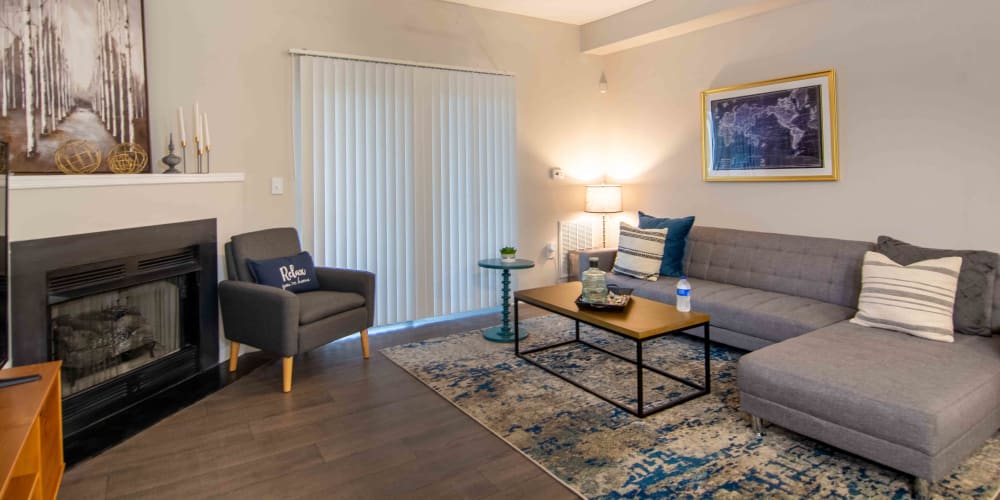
604,199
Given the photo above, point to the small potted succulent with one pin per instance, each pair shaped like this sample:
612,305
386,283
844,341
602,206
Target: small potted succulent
507,254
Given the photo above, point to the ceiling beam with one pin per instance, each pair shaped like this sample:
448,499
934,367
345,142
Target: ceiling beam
662,19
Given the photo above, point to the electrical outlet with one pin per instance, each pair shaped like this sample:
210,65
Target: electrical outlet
277,185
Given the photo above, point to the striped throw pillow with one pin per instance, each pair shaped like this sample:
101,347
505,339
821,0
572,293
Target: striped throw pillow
640,252
918,299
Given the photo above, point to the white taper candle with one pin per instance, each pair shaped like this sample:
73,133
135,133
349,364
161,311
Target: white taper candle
208,135
180,124
197,121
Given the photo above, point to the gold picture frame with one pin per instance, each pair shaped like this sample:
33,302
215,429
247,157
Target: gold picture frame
783,129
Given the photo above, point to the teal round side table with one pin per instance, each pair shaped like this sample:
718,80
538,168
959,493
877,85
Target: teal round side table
503,333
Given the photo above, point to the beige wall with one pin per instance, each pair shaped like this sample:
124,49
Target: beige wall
231,55
917,123
918,120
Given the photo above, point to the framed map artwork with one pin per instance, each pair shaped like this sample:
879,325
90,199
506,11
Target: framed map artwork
777,130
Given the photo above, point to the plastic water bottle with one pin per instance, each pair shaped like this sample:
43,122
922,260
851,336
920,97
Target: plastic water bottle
683,295
595,283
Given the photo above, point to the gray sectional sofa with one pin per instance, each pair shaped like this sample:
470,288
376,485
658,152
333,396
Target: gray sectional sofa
916,405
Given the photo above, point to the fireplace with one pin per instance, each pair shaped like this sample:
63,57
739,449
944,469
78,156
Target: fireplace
101,336
129,313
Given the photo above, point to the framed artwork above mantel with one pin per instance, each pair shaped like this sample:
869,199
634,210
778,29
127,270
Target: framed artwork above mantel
73,86
776,130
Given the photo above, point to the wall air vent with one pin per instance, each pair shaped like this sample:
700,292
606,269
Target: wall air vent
573,235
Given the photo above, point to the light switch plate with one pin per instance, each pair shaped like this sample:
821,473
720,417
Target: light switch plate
277,185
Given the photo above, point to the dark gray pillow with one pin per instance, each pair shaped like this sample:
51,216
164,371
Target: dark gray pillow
974,298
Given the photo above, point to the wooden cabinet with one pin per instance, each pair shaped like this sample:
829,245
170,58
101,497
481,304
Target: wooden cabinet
31,450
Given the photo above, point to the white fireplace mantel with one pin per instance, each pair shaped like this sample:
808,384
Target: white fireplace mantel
46,206
17,182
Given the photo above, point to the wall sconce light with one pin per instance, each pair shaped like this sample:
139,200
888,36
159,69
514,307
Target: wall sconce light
602,86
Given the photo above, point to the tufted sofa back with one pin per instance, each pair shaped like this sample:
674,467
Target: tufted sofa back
824,269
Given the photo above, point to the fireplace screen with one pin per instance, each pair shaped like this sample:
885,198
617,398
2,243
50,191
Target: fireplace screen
101,336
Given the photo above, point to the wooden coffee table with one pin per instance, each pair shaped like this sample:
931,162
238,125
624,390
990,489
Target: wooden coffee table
642,320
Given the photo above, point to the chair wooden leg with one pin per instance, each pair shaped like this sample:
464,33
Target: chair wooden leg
364,343
286,374
234,355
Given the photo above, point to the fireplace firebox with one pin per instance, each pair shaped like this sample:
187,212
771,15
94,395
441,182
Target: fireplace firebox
101,336
128,312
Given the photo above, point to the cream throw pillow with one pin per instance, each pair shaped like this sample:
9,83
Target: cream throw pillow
918,299
640,252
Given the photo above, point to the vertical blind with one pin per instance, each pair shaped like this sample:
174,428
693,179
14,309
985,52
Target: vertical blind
407,172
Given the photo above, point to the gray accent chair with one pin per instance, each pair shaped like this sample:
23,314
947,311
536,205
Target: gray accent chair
286,323
912,404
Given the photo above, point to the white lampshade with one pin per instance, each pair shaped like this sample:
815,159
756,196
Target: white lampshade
604,199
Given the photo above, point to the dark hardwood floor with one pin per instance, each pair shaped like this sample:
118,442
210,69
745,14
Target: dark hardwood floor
350,428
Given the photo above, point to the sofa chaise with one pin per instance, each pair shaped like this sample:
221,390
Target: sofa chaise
913,404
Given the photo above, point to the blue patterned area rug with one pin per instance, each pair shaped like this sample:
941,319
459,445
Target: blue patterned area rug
701,448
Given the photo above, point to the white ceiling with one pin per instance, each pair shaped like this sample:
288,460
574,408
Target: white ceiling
564,11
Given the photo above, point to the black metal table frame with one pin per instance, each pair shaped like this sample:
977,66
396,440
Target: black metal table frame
640,410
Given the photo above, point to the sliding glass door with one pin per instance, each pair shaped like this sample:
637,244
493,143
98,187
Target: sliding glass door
408,172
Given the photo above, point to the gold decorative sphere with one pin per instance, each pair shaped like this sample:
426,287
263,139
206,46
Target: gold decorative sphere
78,157
127,158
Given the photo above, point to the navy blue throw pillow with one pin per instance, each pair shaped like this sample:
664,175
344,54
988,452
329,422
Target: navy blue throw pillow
673,248
295,274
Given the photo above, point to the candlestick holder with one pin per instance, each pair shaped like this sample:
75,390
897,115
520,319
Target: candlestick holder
197,148
184,155
171,160
208,159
